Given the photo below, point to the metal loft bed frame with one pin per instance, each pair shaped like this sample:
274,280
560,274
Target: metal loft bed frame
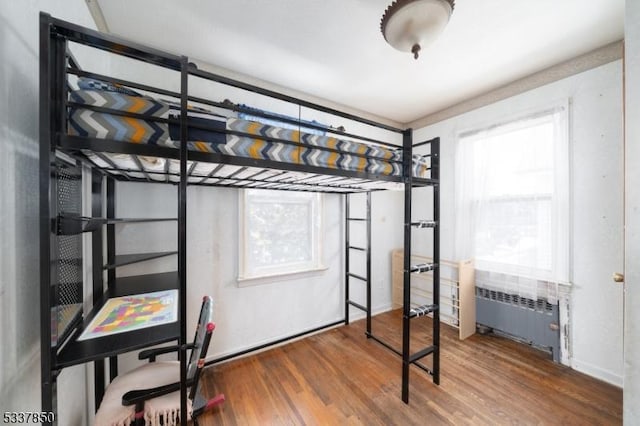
62,222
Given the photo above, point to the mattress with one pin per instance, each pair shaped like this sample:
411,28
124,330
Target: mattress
158,124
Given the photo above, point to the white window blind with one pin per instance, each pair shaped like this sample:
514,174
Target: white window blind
512,183
280,233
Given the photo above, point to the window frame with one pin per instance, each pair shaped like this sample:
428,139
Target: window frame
558,113
250,276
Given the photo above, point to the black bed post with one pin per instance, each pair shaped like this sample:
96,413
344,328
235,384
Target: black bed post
47,206
407,141
97,260
368,264
346,259
52,121
435,175
182,236
111,255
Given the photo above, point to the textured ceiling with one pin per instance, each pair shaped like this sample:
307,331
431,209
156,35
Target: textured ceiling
333,49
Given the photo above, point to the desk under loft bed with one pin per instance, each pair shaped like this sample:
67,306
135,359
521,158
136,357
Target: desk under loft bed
129,131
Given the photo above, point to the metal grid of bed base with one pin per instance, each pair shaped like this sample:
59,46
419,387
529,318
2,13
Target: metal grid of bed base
137,168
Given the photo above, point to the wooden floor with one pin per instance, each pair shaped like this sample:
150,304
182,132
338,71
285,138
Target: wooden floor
340,377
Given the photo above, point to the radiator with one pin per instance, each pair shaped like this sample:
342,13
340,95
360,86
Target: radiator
535,322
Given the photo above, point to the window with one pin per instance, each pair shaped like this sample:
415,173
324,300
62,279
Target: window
280,233
512,198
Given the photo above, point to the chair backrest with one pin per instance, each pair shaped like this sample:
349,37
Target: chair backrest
201,343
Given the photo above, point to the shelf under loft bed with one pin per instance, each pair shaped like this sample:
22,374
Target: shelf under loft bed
129,259
75,352
71,224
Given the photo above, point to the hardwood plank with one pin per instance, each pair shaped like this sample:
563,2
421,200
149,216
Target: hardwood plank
341,377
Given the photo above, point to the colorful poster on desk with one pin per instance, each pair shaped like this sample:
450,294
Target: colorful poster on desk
135,312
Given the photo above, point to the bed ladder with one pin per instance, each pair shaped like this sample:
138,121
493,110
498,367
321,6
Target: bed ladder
367,250
409,313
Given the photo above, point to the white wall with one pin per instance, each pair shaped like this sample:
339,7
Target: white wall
19,244
596,173
631,402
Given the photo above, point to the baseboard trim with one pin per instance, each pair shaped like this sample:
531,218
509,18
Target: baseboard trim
354,317
597,372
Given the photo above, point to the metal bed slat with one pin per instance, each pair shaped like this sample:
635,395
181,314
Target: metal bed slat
110,162
253,176
232,181
80,143
237,172
247,172
306,178
280,187
337,179
281,178
351,184
259,184
271,178
191,168
310,181
142,169
213,172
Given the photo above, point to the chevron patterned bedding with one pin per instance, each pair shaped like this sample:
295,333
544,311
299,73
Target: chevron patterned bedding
204,135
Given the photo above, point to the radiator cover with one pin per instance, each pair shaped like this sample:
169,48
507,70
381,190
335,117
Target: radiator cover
534,321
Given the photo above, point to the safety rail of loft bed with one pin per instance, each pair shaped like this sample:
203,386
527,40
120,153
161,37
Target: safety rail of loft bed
212,128
74,69
113,44
165,151
293,100
119,46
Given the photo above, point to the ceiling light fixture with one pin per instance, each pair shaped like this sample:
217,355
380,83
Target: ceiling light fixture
408,24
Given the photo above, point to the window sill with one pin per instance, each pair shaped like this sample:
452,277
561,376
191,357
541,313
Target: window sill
278,277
